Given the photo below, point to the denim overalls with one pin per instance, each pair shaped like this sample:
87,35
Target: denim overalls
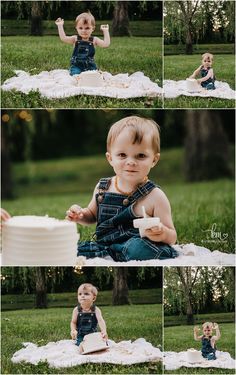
207,350
209,84
115,234
86,323
83,56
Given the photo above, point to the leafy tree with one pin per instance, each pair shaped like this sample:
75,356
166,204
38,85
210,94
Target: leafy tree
192,290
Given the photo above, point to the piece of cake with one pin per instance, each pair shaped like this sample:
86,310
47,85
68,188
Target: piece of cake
93,342
192,85
90,78
145,223
39,241
194,356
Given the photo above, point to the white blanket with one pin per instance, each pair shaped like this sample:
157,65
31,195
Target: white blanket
59,84
189,255
173,89
174,361
65,353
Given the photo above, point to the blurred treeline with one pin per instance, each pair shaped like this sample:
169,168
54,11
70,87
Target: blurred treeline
21,280
50,134
145,10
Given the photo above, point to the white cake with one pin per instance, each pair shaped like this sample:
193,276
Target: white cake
39,241
146,223
93,343
192,85
194,356
90,78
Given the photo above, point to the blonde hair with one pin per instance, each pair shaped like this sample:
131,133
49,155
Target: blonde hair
208,56
86,17
207,325
89,287
139,126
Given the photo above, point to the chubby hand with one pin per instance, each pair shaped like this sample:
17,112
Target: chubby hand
215,326
4,215
59,21
157,233
196,329
73,334
104,336
75,213
104,27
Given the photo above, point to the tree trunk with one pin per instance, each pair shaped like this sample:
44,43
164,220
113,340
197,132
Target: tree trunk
36,28
120,294
6,174
40,288
185,275
189,42
206,147
120,22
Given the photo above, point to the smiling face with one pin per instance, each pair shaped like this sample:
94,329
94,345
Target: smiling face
207,330
132,161
84,28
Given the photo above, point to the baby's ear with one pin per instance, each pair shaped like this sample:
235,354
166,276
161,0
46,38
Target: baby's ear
109,158
156,159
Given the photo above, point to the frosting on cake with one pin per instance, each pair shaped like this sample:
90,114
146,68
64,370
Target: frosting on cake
194,356
91,78
192,85
39,241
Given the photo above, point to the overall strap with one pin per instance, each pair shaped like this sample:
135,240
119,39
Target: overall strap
103,186
142,191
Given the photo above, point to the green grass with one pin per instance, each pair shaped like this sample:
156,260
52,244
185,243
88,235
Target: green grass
180,338
27,301
176,49
180,67
137,28
42,326
125,55
216,317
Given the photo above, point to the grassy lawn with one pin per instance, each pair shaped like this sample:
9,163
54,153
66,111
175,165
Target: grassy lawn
125,55
27,301
180,320
176,49
50,187
42,326
180,67
180,338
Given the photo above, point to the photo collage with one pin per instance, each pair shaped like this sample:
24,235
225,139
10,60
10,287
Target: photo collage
118,187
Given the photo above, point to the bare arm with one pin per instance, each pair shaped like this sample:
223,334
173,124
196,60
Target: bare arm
165,232
196,72
84,216
101,323
216,327
209,75
73,324
106,41
195,334
64,38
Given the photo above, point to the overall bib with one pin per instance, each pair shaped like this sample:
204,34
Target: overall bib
83,56
115,234
86,323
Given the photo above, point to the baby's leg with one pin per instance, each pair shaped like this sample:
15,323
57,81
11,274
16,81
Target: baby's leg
91,249
141,249
74,70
